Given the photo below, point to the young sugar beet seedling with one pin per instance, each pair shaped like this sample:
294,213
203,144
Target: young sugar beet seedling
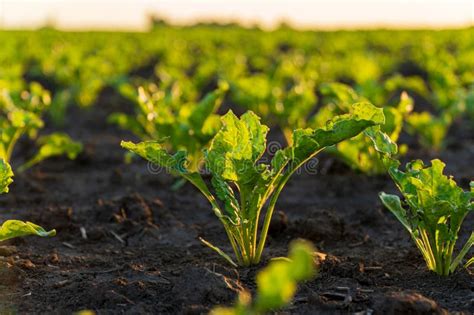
20,116
162,114
276,283
433,210
14,228
242,185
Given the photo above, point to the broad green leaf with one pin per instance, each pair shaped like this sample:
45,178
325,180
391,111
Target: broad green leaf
55,144
163,112
276,284
358,152
154,152
302,260
206,107
236,148
340,94
14,228
307,142
6,175
381,141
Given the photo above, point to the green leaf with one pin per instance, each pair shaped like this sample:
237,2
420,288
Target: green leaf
237,147
393,203
302,260
431,130
154,152
6,175
381,141
340,94
207,106
24,119
276,284
55,144
307,142
14,228
437,208
127,122
225,193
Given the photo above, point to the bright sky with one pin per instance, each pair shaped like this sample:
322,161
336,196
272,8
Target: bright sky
131,14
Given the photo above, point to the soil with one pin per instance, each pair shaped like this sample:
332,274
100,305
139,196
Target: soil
127,243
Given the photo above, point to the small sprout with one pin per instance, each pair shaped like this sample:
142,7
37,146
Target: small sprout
276,283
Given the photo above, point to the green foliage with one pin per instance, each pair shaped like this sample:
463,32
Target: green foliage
433,210
431,130
161,115
15,123
6,175
470,102
286,101
436,209
276,283
244,187
20,115
54,144
14,228
358,152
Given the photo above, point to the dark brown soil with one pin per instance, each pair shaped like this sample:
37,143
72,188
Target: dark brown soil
142,253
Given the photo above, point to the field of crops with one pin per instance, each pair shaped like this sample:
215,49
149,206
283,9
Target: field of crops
172,171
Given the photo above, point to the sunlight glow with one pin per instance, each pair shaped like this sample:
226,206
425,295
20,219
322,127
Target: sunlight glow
132,14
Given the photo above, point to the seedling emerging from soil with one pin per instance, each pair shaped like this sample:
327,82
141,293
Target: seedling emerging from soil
14,228
190,126
241,181
276,283
21,116
436,207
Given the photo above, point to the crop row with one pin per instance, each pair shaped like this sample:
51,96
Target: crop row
350,94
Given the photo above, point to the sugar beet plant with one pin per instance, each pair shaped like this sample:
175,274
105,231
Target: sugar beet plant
161,114
244,187
433,209
20,115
